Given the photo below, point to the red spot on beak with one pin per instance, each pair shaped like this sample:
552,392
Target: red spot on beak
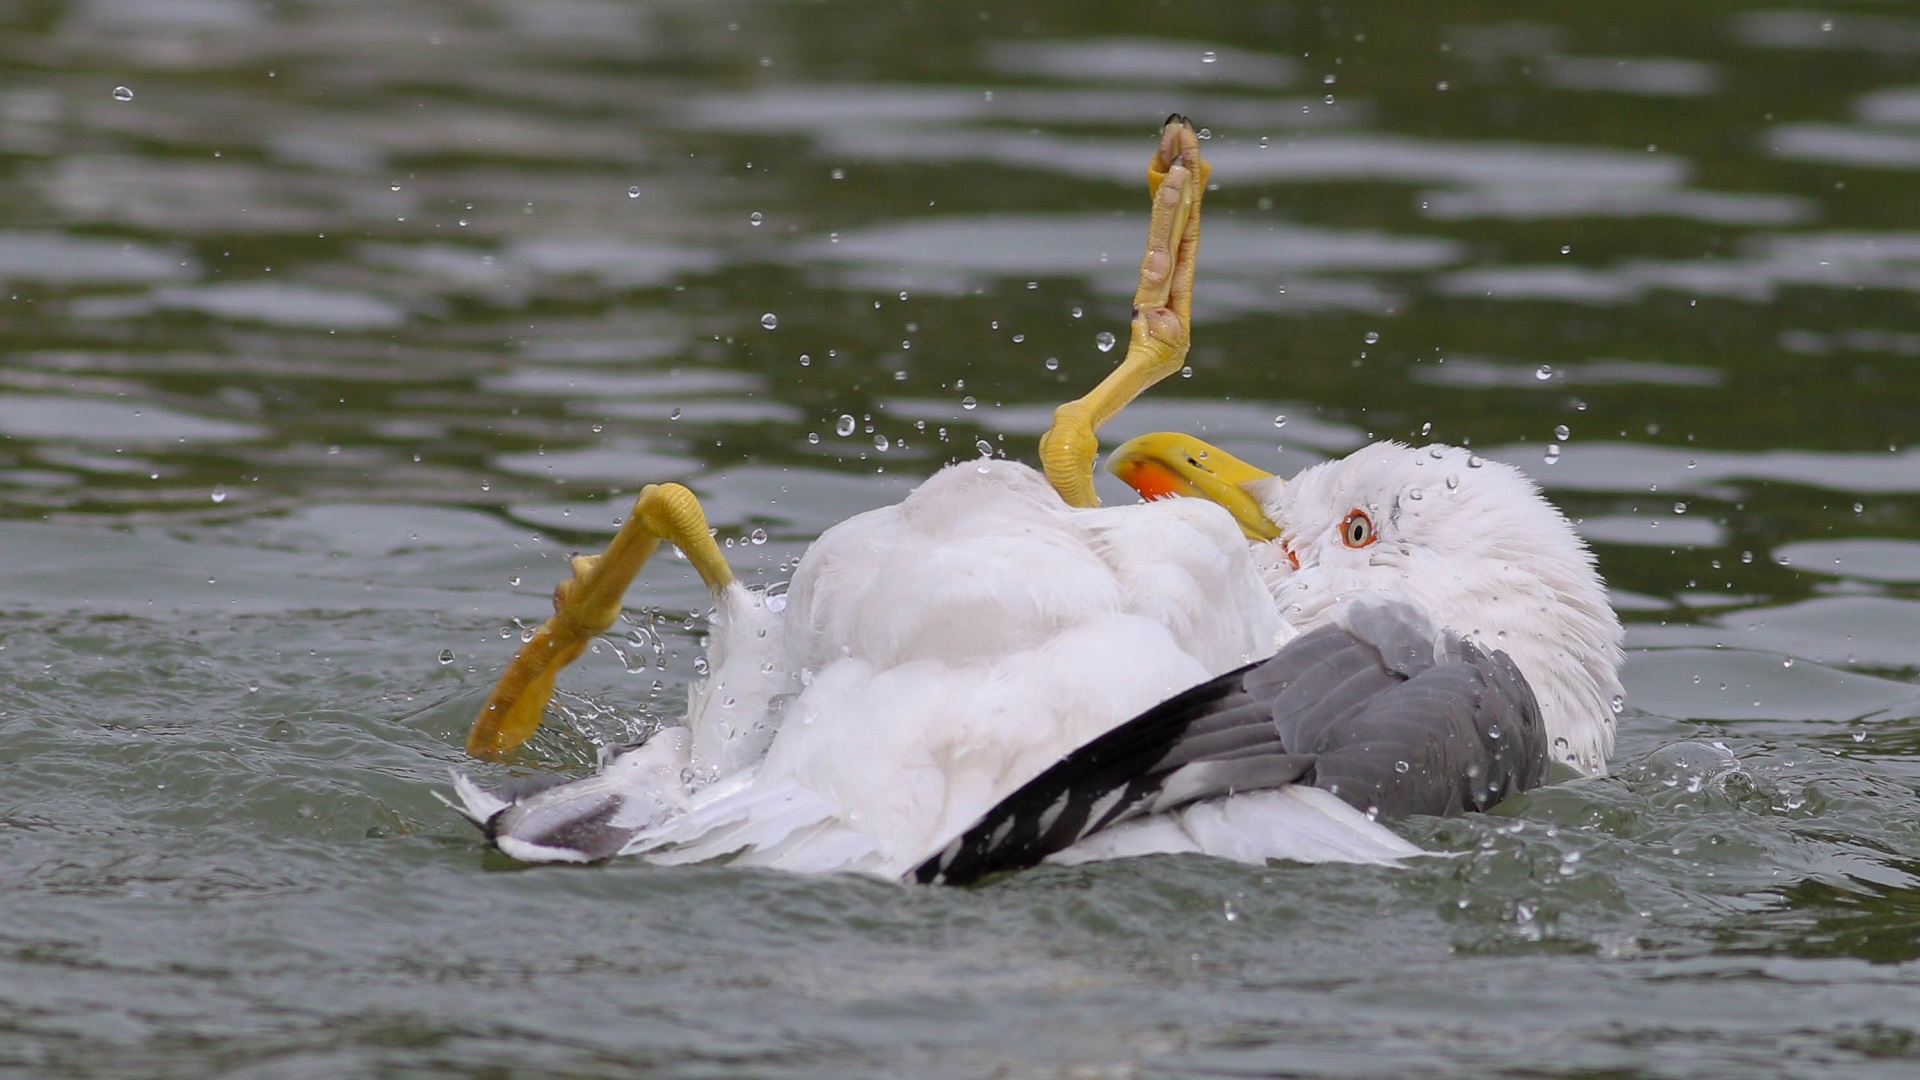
1291,557
1154,481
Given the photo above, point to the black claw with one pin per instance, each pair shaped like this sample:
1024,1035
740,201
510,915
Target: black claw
1176,118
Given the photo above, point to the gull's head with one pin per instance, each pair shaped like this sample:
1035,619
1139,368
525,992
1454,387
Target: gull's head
1388,508
1472,540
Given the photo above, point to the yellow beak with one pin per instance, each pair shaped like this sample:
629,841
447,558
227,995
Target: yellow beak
1166,463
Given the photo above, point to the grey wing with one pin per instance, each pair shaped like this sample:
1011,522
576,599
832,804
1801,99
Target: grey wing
1379,707
1211,740
1403,717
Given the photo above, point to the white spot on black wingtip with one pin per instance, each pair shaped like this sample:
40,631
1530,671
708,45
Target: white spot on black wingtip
934,872
1097,814
1000,833
1053,812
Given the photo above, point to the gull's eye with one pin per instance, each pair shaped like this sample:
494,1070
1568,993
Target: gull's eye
1357,530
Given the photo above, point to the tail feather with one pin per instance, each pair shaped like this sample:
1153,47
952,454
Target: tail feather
731,817
585,819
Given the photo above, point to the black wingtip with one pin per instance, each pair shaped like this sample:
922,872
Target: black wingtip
1104,782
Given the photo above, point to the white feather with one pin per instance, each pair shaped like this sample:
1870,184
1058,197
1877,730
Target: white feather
1302,824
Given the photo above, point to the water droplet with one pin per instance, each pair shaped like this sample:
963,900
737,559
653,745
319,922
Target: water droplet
1553,454
880,443
1679,508
754,219
1453,481
123,93
968,402
1053,363
219,493
1280,421
813,438
1204,133
757,537
837,174
1859,508
1786,661
1562,432
1474,461
1618,704
1401,767
985,447
1566,249
675,414
1543,372
1209,57
844,427
1076,313
1187,372
1264,142
1372,337
446,656
514,580
633,192
699,665
1103,341
1426,429
769,321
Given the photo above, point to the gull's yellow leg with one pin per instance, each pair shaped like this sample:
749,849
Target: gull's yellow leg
1162,314
586,606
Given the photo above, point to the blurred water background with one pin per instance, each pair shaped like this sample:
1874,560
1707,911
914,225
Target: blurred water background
327,330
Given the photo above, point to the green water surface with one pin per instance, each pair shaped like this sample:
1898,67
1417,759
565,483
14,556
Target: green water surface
327,331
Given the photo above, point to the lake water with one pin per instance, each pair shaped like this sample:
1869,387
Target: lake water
329,330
